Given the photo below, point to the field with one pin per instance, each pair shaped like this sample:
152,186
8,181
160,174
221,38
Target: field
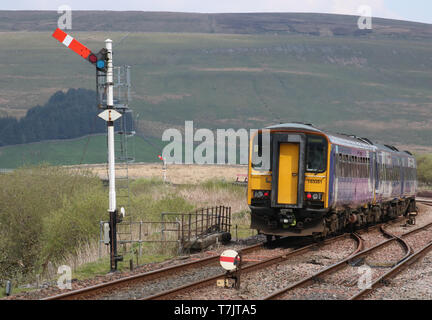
59,210
90,149
176,173
375,86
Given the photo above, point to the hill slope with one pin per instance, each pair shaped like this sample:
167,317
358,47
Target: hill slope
233,23
376,85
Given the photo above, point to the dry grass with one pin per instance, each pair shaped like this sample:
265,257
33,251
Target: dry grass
177,173
201,197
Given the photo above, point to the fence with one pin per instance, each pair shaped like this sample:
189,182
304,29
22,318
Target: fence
200,223
177,228
143,232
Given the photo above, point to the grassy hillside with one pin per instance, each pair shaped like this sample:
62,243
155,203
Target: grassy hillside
90,149
375,85
238,23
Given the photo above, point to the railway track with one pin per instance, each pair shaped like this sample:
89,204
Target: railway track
318,277
425,201
103,288
169,294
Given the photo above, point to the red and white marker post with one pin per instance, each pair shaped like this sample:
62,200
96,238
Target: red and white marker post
230,260
164,168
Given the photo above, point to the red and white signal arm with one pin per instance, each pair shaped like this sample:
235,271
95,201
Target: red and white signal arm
71,43
230,260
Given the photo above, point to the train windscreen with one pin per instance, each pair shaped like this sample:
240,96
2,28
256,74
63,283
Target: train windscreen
316,154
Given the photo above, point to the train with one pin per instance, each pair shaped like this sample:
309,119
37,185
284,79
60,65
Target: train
303,181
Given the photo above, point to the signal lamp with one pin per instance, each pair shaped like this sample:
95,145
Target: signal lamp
92,58
100,64
99,59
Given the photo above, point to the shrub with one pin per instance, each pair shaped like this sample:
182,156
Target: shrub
41,209
424,168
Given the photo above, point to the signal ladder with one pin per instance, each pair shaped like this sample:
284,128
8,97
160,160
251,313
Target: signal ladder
124,155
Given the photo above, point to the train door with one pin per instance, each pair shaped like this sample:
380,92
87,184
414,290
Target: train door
288,173
288,170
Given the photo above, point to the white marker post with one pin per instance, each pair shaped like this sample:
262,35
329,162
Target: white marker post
110,115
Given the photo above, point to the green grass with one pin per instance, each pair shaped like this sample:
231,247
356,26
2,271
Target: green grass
242,80
101,266
66,218
86,150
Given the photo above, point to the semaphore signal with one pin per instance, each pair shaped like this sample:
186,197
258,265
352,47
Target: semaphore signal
99,60
103,63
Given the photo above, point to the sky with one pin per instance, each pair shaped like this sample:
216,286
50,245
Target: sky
411,10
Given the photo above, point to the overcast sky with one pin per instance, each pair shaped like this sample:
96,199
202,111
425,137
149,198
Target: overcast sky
412,10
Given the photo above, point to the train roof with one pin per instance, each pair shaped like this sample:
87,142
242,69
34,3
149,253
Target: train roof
296,125
341,138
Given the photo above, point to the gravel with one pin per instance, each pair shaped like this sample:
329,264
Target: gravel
260,283
413,283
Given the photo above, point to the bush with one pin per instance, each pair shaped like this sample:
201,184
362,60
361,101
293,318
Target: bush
424,168
42,209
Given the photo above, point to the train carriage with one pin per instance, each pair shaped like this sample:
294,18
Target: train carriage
303,181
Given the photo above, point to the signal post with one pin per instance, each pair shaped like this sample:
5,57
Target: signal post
104,64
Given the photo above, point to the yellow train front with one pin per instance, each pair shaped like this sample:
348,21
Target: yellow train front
303,181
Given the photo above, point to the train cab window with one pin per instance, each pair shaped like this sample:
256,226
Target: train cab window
261,151
316,154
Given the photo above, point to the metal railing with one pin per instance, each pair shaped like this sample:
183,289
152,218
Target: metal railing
179,228
202,222
144,232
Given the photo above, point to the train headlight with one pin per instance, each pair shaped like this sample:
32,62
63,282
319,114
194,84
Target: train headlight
261,194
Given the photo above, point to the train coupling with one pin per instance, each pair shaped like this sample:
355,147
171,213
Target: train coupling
287,218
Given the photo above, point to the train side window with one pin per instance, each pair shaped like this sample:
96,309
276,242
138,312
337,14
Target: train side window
339,165
346,166
342,164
